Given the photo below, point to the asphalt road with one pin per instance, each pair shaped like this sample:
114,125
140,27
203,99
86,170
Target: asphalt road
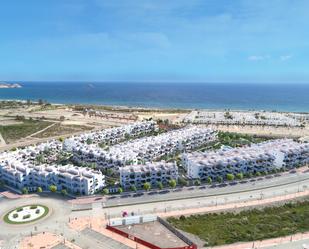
172,200
258,184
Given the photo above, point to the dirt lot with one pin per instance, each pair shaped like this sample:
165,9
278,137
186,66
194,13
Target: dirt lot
154,233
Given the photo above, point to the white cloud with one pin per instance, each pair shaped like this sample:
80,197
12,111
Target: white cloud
258,57
285,57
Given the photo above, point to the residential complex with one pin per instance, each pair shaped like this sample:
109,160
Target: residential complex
266,156
20,169
112,135
140,160
246,118
153,173
144,149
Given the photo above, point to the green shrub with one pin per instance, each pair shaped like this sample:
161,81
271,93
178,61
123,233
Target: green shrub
160,185
197,182
33,207
133,188
27,216
230,177
105,191
53,188
19,209
64,192
25,191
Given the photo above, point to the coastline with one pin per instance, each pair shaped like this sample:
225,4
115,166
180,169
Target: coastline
182,96
154,108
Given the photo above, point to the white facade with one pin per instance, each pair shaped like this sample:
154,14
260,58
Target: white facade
19,169
266,156
138,175
112,135
145,149
246,118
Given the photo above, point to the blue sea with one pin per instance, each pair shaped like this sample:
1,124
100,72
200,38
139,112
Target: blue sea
241,96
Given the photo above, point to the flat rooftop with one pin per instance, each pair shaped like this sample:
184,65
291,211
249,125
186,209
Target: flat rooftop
155,233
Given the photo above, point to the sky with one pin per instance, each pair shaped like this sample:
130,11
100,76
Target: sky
155,40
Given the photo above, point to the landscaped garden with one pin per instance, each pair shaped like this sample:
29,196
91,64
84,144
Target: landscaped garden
26,214
250,225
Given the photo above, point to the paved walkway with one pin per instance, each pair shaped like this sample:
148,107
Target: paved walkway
11,195
216,208
98,223
45,240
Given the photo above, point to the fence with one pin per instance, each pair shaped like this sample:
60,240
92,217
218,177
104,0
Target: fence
141,219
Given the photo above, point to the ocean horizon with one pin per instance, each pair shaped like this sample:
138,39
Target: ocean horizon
233,96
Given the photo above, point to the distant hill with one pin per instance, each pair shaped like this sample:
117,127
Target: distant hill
9,85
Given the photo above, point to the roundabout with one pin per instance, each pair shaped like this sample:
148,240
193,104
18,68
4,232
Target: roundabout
26,214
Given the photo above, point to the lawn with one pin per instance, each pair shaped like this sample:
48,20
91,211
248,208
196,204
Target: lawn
14,132
249,225
7,220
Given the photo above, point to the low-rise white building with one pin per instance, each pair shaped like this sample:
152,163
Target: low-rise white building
246,118
75,180
262,157
112,135
20,169
138,175
144,149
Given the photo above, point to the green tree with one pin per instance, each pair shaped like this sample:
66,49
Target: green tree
120,190
182,181
219,179
61,139
40,159
172,183
160,185
239,176
209,180
197,182
230,177
258,174
89,141
39,190
105,191
64,192
249,175
147,186
53,188
133,188
25,191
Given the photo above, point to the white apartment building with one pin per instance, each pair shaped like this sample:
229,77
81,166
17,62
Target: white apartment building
19,169
245,118
145,149
266,156
138,175
112,135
